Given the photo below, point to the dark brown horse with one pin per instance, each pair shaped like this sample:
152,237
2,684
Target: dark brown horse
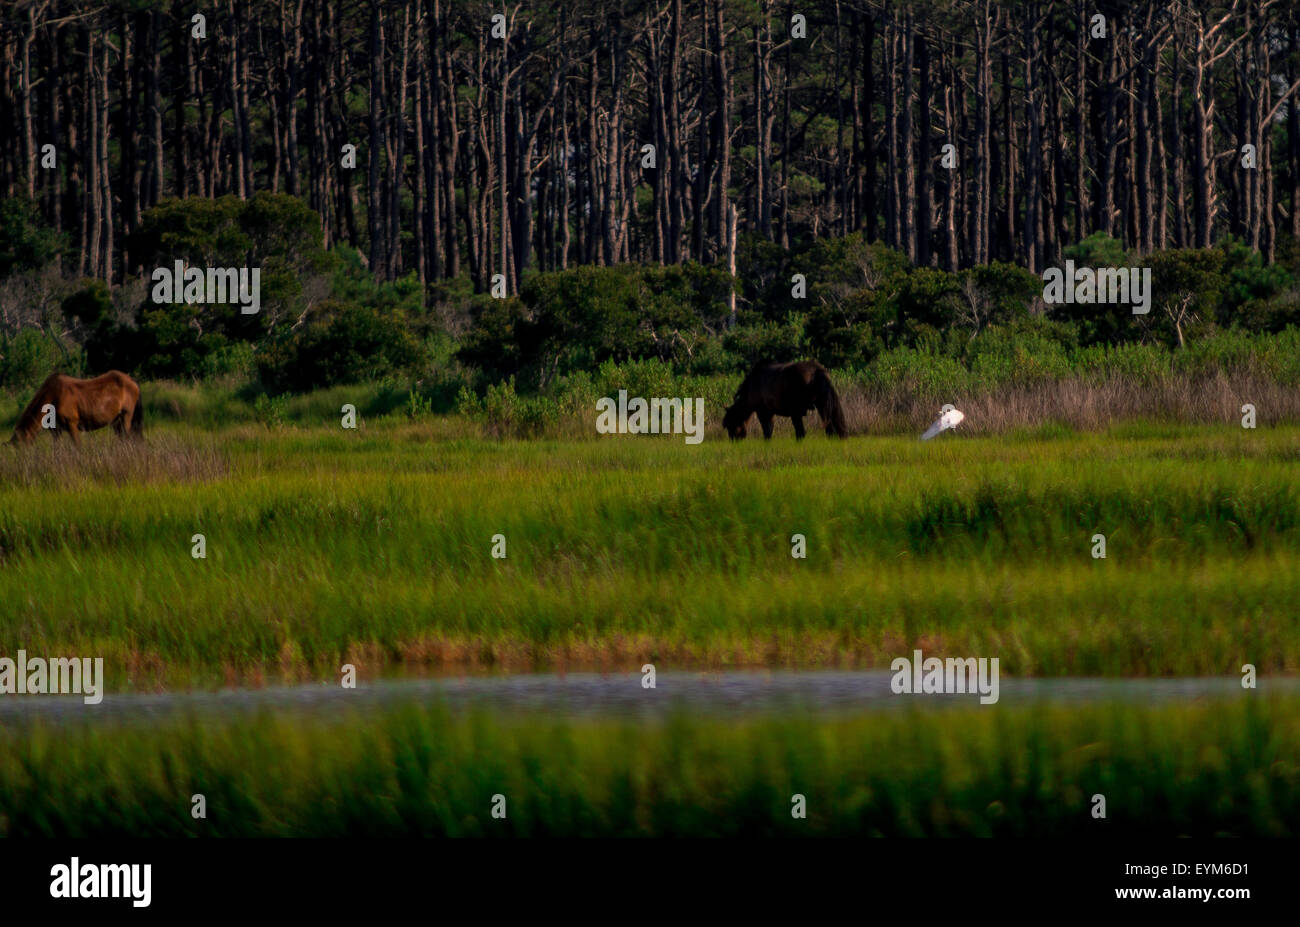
785,389
83,405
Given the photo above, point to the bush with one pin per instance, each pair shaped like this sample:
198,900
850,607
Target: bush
1256,296
1097,250
468,404
343,344
996,294
274,232
1280,355
1140,364
931,375
26,243
509,414
90,314
1017,356
576,319
495,343
768,341
31,355
271,410
235,360
418,406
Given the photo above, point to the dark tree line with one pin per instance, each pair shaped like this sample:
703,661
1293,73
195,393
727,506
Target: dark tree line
495,137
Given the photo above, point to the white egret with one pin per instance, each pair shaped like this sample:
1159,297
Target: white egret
948,418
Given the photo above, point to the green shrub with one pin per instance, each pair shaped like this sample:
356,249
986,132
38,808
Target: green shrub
1140,364
1280,355
344,343
31,355
271,410
1011,356
768,341
578,318
236,360
501,406
418,406
26,243
1097,250
931,375
468,404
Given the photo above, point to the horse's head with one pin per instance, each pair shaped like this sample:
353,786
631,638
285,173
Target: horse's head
733,420
25,431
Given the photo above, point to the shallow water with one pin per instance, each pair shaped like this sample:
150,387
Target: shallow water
579,695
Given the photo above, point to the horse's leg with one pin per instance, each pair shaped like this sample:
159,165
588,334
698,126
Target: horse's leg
71,425
765,419
798,426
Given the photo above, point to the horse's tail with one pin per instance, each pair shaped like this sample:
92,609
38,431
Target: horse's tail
829,406
137,417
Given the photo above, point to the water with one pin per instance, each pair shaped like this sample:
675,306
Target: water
578,695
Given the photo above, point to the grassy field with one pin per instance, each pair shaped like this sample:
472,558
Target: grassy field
374,548
1220,768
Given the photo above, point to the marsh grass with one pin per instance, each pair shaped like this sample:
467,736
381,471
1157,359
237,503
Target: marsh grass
373,547
1146,387
1216,768
103,459
1078,404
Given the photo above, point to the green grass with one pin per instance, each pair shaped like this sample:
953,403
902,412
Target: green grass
1217,768
373,547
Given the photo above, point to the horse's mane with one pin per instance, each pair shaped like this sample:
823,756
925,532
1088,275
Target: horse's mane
749,377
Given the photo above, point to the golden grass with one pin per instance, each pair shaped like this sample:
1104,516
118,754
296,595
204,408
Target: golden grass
102,458
1080,404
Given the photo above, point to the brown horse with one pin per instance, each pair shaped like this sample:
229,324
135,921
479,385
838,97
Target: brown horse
785,389
83,405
